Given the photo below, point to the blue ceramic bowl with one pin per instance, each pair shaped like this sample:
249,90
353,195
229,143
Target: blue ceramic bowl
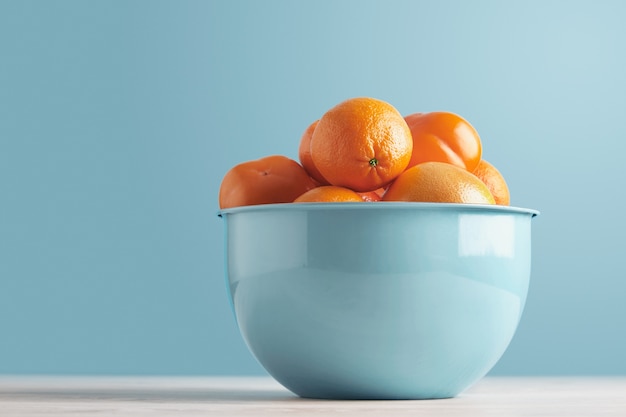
377,300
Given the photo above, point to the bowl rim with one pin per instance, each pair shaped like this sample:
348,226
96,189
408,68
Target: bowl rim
379,205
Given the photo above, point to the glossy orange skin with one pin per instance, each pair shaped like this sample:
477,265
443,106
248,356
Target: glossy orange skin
371,196
362,143
444,137
304,154
273,179
329,194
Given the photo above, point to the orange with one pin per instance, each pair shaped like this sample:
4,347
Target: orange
273,179
438,182
375,195
362,143
444,137
329,193
494,180
304,154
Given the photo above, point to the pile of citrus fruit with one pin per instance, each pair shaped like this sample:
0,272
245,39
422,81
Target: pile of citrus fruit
364,150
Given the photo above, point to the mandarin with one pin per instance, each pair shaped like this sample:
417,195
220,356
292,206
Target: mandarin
494,180
438,182
444,137
371,196
273,179
362,143
304,154
329,193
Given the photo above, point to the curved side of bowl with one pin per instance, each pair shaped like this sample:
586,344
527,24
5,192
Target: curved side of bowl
378,304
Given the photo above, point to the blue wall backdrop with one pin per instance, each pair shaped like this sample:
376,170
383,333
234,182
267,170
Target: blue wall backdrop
118,120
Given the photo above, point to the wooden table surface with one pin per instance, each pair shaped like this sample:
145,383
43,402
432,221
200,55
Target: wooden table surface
234,396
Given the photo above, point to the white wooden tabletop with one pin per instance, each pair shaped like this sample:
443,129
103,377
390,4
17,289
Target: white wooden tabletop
234,396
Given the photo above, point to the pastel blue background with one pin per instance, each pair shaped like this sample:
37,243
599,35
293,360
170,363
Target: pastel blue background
118,120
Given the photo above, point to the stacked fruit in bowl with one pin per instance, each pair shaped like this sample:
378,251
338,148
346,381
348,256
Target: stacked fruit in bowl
386,264
364,150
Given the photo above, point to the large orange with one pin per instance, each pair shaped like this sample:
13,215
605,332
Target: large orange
361,143
494,181
329,193
273,179
304,154
444,137
438,182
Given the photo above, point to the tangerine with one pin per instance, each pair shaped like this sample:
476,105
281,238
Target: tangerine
494,180
304,154
371,196
444,137
362,143
272,179
438,182
329,193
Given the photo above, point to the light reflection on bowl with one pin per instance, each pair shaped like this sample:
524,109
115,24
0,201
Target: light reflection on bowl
377,300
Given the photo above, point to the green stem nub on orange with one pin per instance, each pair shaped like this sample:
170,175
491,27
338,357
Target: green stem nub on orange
373,162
